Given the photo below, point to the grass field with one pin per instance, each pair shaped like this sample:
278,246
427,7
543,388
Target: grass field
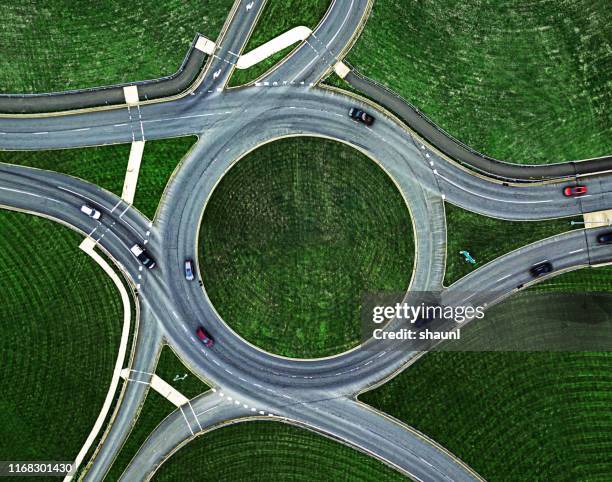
526,82
156,408
54,46
59,344
488,238
277,17
515,416
293,235
270,451
106,165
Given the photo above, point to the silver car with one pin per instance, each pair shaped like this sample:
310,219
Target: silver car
91,212
189,270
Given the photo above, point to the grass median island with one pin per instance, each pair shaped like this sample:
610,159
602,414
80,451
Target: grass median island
526,82
270,451
293,235
159,160
515,416
105,166
56,46
172,370
277,17
156,408
59,343
488,238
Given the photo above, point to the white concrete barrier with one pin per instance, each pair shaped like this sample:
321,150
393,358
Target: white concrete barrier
88,247
297,34
133,169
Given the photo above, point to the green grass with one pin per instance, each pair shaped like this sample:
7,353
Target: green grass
159,160
262,451
54,46
291,238
58,345
488,238
105,166
156,408
277,17
169,367
101,165
526,82
515,416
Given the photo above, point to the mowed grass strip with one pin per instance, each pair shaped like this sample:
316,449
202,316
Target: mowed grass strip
292,237
488,238
56,46
522,82
61,319
105,166
515,416
270,451
277,17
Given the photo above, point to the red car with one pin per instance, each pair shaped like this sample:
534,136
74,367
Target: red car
204,337
571,191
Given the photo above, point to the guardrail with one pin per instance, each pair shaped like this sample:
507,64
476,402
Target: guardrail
464,154
109,95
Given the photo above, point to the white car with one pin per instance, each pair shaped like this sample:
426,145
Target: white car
91,212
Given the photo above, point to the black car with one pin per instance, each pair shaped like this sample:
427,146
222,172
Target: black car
605,238
541,269
143,256
361,116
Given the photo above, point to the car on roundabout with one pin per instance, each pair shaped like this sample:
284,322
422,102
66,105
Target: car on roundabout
361,116
189,270
204,337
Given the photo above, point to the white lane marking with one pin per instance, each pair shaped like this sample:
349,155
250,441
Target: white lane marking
30,194
487,197
82,129
120,125
39,133
194,414
348,11
307,65
80,195
186,421
124,211
209,410
504,277
575,251
137,381
132,228
185,117
116,205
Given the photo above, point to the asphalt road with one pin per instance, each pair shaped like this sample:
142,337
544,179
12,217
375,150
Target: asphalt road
317,394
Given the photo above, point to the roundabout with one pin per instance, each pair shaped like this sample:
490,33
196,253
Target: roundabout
292,237
247,382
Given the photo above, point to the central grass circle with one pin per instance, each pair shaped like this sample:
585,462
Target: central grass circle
292,237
